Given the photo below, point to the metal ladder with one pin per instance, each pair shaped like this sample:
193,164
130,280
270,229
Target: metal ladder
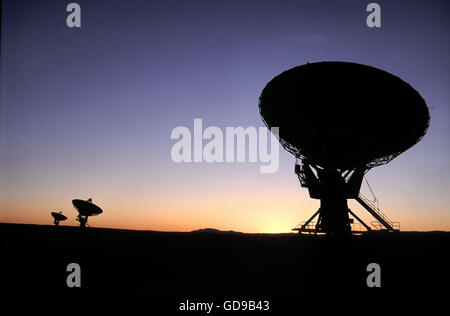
374,210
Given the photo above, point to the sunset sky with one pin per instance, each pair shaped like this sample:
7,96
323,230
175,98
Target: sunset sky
88,112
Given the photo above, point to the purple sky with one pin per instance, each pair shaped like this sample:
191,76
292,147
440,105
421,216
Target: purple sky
88,112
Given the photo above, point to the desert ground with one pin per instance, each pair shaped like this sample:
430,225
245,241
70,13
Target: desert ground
219,264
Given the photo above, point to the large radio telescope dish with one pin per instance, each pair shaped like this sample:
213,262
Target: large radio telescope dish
342,115
340,119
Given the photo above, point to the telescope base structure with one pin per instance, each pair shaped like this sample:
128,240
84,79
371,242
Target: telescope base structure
333,217
83,220
332,221
333,187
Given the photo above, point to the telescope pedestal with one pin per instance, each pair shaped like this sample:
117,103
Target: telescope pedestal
333,217
332,187
83,220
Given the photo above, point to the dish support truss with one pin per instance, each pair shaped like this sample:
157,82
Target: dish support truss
333,187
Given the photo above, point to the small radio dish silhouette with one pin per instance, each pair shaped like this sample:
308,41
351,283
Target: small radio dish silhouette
85,209
58,217
340,119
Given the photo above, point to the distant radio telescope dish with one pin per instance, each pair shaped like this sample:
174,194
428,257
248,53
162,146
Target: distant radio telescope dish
58,217
340,119
85,209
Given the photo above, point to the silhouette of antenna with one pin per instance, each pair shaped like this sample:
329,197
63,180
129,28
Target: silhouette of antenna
58,217
85,209
339,120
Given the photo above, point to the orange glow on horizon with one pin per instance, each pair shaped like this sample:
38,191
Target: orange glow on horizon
269,214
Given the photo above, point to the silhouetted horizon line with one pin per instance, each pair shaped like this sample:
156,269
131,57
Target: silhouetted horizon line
205,230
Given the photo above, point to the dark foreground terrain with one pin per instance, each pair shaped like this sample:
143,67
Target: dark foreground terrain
207,264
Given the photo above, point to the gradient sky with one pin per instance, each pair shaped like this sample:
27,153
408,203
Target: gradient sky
88,112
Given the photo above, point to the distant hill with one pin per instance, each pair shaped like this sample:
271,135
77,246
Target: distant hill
213,230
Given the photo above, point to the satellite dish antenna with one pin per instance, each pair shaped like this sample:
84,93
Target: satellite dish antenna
58,217
339,120
85,209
